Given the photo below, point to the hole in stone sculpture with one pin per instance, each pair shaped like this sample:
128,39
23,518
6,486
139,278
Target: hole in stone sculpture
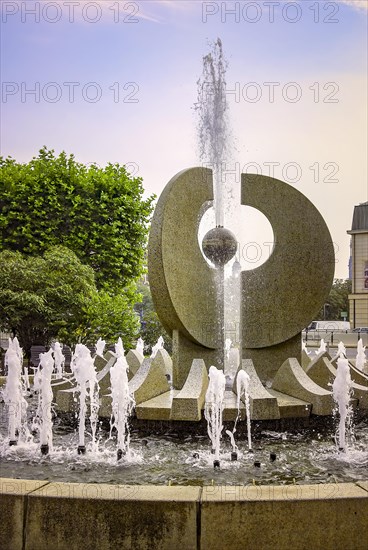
255,238
253,231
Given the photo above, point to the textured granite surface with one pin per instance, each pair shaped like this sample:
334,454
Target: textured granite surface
292,380
282,296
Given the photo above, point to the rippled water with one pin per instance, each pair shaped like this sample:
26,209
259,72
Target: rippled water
301,458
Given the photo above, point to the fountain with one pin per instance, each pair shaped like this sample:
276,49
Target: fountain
83,368
361,361
272,391
213,410
13,394
159,345
140,347
341,350
242,390
59,359
271,382
122,400
322,347
341,389
45,400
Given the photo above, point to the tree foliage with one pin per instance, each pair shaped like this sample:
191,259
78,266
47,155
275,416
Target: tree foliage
151,327
98,213
41,297
55,297
337,301
112,316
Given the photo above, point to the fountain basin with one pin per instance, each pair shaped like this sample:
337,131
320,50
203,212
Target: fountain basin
42,515
164,452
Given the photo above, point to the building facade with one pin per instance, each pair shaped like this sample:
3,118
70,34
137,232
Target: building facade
358,299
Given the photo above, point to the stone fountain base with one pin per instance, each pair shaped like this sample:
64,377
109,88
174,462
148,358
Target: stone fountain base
38,515
295,392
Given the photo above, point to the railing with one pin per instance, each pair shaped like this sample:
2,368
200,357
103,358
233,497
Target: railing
333,337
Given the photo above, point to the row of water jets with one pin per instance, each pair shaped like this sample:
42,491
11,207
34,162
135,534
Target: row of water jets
360,360
342,386
87,387
51,366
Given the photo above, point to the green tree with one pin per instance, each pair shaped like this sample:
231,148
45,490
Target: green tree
43,297
97,212
55,297
337,301
111,317
151,327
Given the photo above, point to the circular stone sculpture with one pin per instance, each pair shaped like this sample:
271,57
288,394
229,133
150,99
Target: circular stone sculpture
183,285
278,299
219,245
283,295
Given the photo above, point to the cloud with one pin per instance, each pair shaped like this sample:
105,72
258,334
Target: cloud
357,4
154,11
159,10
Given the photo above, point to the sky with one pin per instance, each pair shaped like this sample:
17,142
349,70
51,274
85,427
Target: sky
115,81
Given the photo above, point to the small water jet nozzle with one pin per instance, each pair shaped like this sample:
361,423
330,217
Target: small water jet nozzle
216,464
120,453
45,449
81,450
234,456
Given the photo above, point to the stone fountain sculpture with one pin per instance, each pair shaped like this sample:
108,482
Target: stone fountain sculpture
278,300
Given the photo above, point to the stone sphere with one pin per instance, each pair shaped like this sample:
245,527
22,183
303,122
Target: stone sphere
219,245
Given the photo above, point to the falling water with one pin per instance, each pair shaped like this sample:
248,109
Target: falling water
140,346
45,400
360,357
13,395
122,401
59,359
157,346
87,385
242,389
234,447
215,151
341,350
341,391
322,347
119,348
19,352
213,408
100,346
213,132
